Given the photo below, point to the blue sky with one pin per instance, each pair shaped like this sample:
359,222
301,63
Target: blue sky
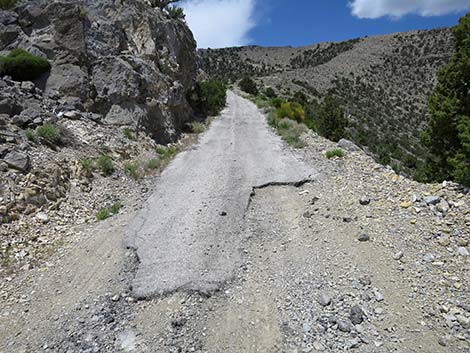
222,23
329,20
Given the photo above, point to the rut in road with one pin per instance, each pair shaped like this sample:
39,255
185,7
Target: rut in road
188,234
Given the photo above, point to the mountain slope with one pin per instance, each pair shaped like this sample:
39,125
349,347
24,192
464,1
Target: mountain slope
383,82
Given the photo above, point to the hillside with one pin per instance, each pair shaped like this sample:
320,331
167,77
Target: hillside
382,81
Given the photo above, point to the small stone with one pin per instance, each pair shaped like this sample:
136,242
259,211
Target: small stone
364,201
443,207
115,298
365,280
442,341
344,326
356,315
379,311
444,241
406,204
432,200
363,237
463,321
398,255
354,343
41,216
223,213
318,346
324,299
463,251
378,296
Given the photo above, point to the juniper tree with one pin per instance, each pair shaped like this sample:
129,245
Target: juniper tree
448,135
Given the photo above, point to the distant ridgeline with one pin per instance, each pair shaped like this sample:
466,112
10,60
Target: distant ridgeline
383,82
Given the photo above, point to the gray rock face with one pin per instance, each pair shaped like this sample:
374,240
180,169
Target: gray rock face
17,160
125,60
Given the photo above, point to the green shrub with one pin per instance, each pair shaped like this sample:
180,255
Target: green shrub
335,153
87,166
103,214
166,152
7,4
331,122
23,66
300,98
115,208
49,132
290,131
448,135
107,212
105,164
291,110
31,135
129,134
277,102
270,93
152,164
208,97
176,12
247,85
132,169
197,128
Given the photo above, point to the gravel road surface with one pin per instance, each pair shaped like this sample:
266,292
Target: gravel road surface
187,236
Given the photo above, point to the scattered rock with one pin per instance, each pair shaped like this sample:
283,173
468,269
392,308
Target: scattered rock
356,315
463,251
324,299
43,217
363,237
348,145
364,201
344,325
442,341
432,200
398,255
443,206
17,160
365,280
406,204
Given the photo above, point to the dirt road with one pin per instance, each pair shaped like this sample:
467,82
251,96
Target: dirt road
188,234
336,264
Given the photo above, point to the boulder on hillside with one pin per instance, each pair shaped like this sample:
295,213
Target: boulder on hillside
17,160
348,145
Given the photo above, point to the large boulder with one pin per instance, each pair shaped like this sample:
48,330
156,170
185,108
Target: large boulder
123,59
17,160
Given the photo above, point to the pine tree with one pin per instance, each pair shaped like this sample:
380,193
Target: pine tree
448,135
330,121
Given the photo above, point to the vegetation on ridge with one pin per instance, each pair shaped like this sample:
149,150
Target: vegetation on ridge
448,135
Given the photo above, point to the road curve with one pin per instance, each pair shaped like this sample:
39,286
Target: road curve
188,233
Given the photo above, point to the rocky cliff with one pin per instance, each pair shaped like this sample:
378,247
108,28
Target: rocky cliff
71,140
124,60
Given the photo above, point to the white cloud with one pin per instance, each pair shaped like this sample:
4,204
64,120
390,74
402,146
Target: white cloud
220,23
398,8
